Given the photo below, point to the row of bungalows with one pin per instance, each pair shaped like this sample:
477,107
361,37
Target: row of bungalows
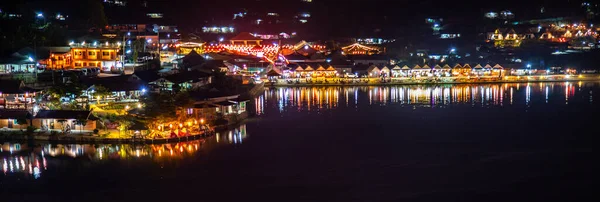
47,119
437,70
310,70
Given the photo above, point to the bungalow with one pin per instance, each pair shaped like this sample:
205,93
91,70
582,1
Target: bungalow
48,119
184,80
373,71
213,104
15,95
64,119
120,87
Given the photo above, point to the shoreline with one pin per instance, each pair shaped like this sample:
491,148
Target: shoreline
100,140
427,83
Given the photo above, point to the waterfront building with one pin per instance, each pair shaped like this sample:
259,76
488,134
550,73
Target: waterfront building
46,120
63,119
373,71
457,70
396,71
425,70
478,70
405,70
385,71
466,69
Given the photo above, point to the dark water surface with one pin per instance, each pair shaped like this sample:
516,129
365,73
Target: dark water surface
500,142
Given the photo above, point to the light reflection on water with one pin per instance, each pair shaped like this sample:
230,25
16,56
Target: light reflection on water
30,161
317,98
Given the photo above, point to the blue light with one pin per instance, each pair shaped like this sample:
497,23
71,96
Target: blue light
143,90
221,39
436,25
149,40
40,15
452,50
328,60
128,51
30,59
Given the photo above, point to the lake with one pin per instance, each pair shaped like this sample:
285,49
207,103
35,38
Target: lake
489,142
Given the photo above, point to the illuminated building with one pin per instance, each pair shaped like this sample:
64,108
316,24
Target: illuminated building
358,49
58,58
218,30
15,95
104,55
187,47
511,39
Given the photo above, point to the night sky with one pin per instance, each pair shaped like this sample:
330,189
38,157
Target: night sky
331,17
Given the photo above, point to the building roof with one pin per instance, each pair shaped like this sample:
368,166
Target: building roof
187,76
13,114
115,83
245,36
204,105
11,86
147,75
296,56
63,114
225,103
192,59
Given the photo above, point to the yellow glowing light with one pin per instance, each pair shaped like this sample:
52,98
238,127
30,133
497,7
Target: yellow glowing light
127,107
202,121
180,125
170,125
139,105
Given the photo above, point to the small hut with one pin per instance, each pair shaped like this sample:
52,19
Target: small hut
426,69
437,68
447,69
396,71
478,69
385,71
373,71
457,70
